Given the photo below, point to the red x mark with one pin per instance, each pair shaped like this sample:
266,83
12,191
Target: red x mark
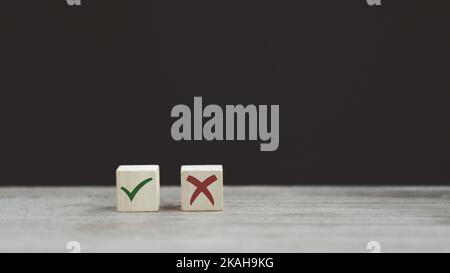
202,187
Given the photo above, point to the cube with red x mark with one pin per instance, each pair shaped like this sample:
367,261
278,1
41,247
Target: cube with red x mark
201,187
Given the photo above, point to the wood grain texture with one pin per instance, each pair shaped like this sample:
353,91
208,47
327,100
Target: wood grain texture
255,219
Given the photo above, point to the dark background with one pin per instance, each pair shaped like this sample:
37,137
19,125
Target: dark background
363,91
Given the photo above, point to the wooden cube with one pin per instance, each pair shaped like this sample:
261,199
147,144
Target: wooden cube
201,187
137,188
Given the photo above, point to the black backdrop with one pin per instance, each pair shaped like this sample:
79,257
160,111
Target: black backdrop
363,91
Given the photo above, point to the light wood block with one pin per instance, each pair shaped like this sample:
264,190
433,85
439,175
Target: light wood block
137,188
201,187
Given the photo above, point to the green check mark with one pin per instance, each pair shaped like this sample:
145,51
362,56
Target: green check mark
133,193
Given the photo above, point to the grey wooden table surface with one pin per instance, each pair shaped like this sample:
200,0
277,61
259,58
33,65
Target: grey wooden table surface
255,219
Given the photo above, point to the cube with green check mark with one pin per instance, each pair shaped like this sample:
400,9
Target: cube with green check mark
137,188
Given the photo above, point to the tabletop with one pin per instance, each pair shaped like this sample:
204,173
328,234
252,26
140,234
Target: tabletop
255,219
